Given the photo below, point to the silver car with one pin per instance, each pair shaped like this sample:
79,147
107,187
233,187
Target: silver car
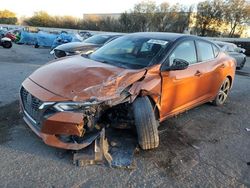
234,51
87,46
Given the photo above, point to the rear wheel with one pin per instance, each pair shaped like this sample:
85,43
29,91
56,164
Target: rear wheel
7,44
242,64
146,123
223,93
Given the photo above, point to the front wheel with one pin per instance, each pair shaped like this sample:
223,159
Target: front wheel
223,93
146,123
7,44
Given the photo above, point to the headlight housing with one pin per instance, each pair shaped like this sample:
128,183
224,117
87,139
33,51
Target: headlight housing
73,106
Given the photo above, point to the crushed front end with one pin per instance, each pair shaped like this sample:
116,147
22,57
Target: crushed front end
68,124
57,128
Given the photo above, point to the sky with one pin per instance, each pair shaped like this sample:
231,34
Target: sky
76,7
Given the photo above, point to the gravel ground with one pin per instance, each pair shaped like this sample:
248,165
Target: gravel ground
205,147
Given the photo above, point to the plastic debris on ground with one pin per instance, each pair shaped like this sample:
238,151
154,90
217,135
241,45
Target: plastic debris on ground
117,147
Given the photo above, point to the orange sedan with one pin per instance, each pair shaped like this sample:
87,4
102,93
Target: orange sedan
137,80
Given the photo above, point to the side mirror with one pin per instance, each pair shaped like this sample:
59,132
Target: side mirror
242,51
178,64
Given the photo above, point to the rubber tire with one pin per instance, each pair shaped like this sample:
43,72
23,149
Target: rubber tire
216,102
7,44
242,64
146,123
36,46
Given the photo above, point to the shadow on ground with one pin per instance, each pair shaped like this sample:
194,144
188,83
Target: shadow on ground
9,119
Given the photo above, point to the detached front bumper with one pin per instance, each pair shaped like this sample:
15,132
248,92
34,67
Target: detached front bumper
51,126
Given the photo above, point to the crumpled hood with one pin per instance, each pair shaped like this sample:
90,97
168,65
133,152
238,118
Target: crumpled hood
76,46
78,78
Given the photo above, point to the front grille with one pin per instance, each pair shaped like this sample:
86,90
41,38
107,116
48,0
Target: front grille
31,104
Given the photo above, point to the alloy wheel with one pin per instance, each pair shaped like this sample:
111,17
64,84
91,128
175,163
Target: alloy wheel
224,90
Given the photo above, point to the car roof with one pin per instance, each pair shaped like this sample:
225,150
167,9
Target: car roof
109,34
163,35
224,43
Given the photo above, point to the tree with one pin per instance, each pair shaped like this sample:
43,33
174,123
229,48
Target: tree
147,16
209,16
143,14
41,18
160,17
126,22
109,24
237,12
7,17
177,20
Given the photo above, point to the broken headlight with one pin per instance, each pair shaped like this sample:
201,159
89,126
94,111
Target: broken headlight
73,106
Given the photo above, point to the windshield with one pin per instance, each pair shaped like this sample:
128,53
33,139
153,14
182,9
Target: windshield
98,39
133,52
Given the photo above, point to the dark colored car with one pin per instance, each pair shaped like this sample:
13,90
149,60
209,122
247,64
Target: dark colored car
87,46
138,80
234,51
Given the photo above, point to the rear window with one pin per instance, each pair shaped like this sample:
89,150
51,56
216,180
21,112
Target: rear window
98,39
206,50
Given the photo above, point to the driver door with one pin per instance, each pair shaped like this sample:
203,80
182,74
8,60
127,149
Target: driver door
180,88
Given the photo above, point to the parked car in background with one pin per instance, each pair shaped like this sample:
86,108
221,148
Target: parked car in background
87,46
234,51
137,80
85,34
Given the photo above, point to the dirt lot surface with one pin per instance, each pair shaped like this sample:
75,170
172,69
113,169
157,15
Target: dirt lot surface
204,147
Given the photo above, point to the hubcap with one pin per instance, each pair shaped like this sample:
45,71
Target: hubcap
223,93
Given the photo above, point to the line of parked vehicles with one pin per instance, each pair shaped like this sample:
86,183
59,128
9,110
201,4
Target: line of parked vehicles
88,42
37,37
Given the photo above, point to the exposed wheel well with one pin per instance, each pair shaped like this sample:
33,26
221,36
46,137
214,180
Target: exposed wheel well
155,107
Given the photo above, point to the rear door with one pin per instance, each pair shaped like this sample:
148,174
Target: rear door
210,67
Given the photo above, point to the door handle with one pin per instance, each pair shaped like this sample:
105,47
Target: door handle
222,66
198,73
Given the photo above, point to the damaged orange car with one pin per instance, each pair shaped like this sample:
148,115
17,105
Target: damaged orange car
137,80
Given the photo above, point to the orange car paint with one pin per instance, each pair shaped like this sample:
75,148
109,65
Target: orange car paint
71,80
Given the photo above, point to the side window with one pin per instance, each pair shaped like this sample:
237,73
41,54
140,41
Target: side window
216,50
186,51
205,50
